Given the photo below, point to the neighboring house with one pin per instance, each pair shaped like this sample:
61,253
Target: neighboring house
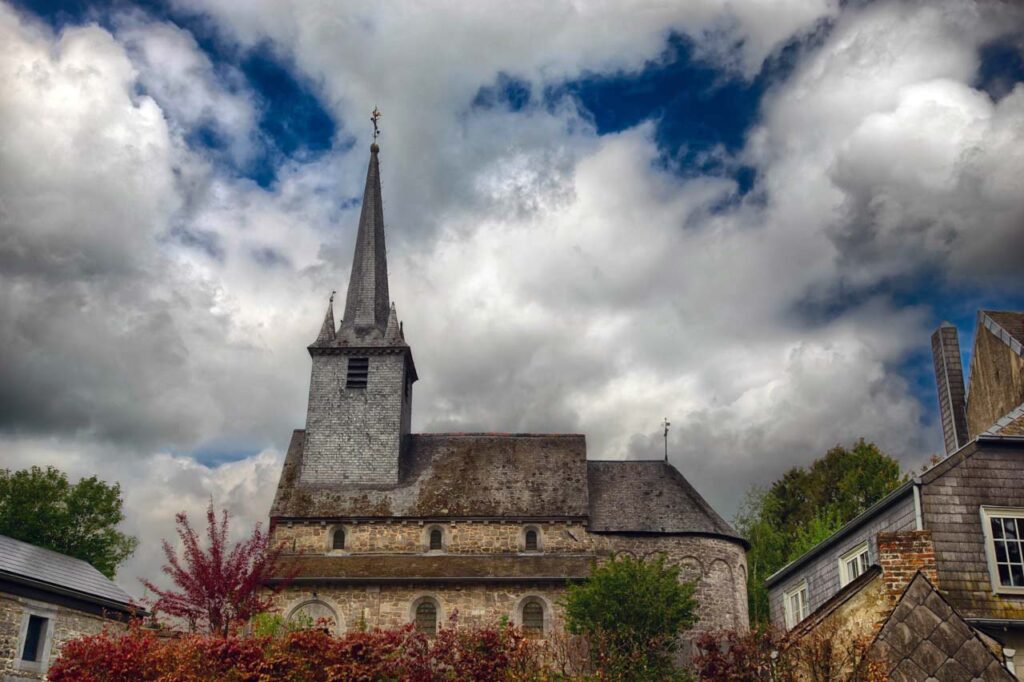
972,501
46,599
385,527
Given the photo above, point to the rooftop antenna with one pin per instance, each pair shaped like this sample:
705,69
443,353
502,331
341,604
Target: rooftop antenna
666,423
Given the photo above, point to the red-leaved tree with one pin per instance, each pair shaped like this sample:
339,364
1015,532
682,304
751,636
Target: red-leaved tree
217,586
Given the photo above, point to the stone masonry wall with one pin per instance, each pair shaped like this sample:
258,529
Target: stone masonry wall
67,624
355,435
718,566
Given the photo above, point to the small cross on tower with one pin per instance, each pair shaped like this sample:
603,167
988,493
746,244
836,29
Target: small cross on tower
374,117
666,423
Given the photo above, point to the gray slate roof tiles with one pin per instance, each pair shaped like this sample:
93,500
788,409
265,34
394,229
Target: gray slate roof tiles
21,560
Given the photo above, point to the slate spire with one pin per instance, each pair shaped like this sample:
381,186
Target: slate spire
327,334
367,303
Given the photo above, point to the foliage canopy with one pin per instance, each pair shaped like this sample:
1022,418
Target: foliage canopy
80,519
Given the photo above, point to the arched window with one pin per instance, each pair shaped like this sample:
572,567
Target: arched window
436,539
533,618
531,540
339,539
426,618
314,614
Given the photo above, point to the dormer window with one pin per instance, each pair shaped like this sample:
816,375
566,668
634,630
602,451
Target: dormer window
358,372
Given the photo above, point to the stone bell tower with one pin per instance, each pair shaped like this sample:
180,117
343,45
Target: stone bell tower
360,393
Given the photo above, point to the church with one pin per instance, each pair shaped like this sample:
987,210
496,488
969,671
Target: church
383,527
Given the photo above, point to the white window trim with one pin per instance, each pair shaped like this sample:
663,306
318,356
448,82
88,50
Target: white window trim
791,618
43,664
844,576
990,548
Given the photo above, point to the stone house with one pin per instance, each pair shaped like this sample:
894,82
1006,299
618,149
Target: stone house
971,502
384,527
46,599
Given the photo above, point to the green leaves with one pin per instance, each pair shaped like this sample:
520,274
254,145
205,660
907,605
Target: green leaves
40,506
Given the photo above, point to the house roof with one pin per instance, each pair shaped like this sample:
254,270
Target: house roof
52,571
924,638
379,568
649,497
1007,325
454,475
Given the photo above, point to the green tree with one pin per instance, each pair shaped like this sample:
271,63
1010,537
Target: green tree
40,506
805,506
632,612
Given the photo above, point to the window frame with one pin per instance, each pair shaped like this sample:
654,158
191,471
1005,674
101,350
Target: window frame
857,552
787,608
988,512
42,663
345,538
523,547
428,532
414,608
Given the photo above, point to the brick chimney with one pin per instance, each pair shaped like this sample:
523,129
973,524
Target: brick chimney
949,380
902,555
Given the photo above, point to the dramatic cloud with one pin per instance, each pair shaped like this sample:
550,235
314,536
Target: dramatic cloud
155,300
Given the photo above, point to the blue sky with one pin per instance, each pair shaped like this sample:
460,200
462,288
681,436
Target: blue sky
748,221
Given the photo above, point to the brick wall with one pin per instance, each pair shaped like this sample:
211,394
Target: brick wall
902,555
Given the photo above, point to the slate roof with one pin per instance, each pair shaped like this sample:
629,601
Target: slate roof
649,497
454,475
379,568
924,638
1008,326
27,564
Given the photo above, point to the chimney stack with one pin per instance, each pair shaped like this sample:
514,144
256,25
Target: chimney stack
949,380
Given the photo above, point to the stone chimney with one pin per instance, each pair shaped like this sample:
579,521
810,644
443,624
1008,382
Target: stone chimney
902,555
949,380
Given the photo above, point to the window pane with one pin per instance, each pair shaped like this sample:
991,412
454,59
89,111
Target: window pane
34,638
531,539
1013,552
435,539
1010,526
426,618
997,528
1004,575
339,539
1000,546
803,603
533,619
1017,575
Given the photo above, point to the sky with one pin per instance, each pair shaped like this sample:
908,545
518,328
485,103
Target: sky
746,217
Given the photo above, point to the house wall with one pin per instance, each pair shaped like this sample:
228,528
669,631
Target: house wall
66,624
952,496
822,572
997,381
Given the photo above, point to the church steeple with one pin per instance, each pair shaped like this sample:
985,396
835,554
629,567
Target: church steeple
367,302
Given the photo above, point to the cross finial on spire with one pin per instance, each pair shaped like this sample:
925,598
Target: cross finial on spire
374,117
666,424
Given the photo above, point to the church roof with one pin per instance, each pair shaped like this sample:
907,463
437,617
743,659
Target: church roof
454,475
513,476
649,497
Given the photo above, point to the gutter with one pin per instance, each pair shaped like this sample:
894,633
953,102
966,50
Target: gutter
887,501
1005,623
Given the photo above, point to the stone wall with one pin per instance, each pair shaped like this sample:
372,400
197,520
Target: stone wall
997,379
65,624
718,565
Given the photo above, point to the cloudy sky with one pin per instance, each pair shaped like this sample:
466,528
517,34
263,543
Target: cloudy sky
746,217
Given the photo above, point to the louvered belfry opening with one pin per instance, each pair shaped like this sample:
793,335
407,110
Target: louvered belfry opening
339,539
533,619
436,540
358,372
426,618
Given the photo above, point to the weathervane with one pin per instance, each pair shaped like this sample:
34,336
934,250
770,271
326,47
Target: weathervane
374,117
666,423
332,295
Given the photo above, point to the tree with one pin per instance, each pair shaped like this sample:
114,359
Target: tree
632,611
42,507
805,506
219,586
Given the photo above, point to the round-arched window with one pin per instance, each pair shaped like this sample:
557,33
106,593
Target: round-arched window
530,542
338,541
436,539
314,614
426,617
533,618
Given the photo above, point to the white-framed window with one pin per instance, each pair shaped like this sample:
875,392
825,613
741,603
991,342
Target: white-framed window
1003,528
34,640
795,604
853,563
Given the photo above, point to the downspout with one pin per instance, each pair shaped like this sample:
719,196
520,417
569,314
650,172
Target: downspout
918,517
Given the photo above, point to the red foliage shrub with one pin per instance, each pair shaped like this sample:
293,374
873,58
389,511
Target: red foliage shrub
138,655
